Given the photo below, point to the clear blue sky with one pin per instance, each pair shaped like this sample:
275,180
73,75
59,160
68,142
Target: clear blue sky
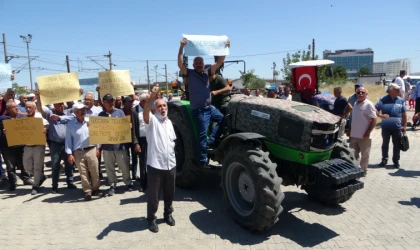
135,31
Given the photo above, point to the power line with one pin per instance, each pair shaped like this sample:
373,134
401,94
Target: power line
55,51
160,60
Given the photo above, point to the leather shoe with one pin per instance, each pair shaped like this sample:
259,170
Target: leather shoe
88,197
153,227
170,220
383,163
71,186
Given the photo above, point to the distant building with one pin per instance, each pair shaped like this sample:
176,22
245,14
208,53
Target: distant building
392,68
351,59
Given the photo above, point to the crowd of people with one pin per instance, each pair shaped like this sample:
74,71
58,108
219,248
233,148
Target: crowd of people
152,146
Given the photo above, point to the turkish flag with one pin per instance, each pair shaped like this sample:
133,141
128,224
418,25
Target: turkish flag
304,78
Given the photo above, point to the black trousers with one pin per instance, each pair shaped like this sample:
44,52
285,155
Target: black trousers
160,180
387,134
143,162
417,109
13,158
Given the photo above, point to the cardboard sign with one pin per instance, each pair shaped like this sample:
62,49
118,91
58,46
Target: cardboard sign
109,130
59,88
115,82
24,131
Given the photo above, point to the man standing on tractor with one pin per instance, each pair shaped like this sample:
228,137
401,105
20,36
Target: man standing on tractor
218,87
200,100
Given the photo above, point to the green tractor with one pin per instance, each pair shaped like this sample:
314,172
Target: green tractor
267,143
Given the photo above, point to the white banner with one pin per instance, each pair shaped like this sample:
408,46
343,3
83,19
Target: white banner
200,45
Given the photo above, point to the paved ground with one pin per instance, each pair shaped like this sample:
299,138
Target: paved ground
384,215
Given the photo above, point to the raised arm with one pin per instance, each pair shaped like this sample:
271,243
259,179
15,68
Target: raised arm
148,107
181,66
38,103
219,62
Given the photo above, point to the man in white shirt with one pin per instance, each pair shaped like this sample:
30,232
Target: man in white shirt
161,160
400,81
286,94
362,123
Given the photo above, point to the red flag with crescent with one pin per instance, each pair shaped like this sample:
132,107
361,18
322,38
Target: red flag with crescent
305,78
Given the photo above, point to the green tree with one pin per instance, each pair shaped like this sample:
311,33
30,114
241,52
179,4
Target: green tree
340,72
257,83
299,56
363,71
248,78
19,89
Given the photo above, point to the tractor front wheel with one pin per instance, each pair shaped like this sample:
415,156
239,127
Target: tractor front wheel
251,187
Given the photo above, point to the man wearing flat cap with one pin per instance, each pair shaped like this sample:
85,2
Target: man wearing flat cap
391,108
115,153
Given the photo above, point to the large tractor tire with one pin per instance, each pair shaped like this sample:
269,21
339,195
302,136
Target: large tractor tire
187,173
251,187
344,152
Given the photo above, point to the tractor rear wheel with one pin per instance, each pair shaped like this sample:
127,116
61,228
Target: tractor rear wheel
187,173
251,187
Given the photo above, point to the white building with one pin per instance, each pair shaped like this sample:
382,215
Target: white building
392,68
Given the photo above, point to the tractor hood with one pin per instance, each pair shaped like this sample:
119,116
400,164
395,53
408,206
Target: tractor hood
292,124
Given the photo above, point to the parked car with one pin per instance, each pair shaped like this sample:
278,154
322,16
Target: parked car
413,80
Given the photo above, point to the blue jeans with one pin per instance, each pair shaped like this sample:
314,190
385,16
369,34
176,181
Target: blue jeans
202,117
57,154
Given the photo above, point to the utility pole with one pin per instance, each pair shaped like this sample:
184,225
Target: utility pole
27,40
274,72
166,79
148,77
68,64
5,48
156,66
110,59
313,49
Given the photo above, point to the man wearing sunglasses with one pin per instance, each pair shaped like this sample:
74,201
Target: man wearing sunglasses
362,123
394,121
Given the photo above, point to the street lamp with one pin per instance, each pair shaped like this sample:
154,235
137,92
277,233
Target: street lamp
27,39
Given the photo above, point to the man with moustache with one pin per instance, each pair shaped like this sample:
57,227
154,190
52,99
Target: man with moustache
363,122
82,153
161,162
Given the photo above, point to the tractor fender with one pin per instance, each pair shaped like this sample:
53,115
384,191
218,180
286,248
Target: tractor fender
236,139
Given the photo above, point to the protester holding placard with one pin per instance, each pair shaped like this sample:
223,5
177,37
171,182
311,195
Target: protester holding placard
161,161
13,156
9,95
33,155
200,100
115,153
58,119
82,153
